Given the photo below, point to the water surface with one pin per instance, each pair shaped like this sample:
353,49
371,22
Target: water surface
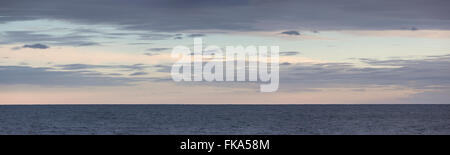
225,119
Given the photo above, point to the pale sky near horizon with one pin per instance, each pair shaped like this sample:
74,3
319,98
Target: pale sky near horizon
119,52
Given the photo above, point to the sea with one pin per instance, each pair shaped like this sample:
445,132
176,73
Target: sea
380,119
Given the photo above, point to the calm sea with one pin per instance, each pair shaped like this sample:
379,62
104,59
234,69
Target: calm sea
225,119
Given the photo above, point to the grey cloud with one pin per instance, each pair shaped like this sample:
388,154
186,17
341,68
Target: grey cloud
176,15
24,36
88,66
289,53
138,73
292,33
140,43
196,35
36,46
424,74
77,43
285,63
115,74
154,36
158,49
141,35
413,28
150,54
47,76
80,66
163,68
418,74
85,43
31,37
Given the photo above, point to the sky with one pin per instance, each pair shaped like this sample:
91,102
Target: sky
119,52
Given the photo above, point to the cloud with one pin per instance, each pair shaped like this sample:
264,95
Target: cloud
11,37
196,35
417,74
47,76
88,66
86,43
420,74
36,46
285,63
151,36
150,54
158,49
407,33
291,33
140,43
289,53
138,73
178,15
163,68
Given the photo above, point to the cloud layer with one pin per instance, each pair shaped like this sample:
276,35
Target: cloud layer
14,75
36,46
173,15
428,73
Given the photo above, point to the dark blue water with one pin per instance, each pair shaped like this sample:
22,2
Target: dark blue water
225,119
